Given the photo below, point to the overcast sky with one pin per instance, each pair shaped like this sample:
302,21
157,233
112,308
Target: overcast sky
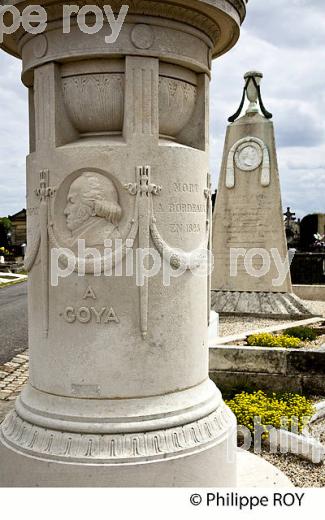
286,41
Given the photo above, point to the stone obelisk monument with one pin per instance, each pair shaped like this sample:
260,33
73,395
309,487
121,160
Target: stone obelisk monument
119,393
251,264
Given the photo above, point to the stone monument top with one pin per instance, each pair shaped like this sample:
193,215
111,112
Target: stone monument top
252,90
220,20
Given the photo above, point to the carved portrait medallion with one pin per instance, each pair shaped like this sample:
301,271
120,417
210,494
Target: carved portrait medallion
87,217
248,157
92,209
87,207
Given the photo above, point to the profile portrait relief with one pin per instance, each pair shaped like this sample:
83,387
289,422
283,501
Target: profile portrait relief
249,157
92,210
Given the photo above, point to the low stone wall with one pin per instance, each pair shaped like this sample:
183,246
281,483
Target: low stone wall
261,368
310,292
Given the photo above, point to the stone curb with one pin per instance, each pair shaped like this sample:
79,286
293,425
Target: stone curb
222,340
271,369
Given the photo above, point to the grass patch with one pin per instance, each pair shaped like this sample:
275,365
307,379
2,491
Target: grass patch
9,284
302,333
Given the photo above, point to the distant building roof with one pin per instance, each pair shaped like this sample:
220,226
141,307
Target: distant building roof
17,216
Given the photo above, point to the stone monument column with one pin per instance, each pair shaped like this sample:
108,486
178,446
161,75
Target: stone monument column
119,393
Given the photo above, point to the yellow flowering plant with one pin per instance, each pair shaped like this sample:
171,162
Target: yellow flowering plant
270,340
284,411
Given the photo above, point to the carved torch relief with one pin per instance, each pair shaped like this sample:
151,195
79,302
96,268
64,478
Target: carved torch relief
145,191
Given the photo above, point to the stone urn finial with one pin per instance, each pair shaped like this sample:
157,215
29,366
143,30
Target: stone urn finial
253,80
252,90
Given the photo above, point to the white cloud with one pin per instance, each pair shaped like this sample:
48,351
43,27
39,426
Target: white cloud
286,41
13,136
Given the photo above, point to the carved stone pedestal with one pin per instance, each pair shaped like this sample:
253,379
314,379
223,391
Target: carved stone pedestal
119,393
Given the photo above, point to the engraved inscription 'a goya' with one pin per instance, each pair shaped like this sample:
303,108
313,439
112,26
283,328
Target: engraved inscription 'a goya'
100,316
90,314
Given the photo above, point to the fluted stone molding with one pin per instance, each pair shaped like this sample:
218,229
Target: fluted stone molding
112,449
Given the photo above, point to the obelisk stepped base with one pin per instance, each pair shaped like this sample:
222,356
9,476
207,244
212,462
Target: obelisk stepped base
263,304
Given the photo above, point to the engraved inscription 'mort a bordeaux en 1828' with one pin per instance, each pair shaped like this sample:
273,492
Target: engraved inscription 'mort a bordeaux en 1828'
119,393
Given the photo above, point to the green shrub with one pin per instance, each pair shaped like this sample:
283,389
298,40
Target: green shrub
271,409
270,340
303,333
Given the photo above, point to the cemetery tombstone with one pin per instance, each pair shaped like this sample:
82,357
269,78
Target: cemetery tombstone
251,265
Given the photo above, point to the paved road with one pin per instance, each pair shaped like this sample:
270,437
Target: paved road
13,321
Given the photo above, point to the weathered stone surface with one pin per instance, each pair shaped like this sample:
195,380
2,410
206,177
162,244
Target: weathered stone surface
313,384
268,369
306,362
266,304
249,359
231,381
310,292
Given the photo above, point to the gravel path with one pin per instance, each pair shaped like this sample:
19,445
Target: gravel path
230,325
301,472
316,307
